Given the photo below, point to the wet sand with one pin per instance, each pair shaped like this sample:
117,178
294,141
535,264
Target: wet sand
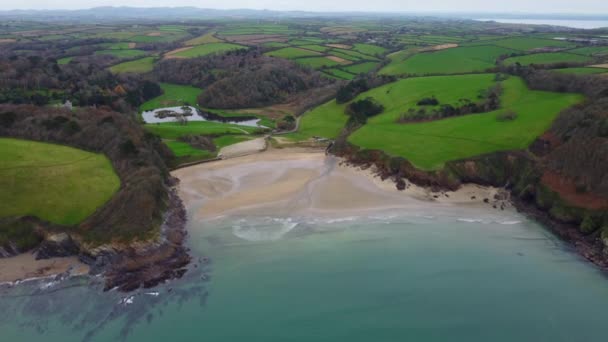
25,266
296,181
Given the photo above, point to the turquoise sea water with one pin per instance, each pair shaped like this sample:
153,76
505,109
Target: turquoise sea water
448,274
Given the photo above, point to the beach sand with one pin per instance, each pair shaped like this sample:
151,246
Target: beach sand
25,266
297,181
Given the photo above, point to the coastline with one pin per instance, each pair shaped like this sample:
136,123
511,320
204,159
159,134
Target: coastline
24,267
306,181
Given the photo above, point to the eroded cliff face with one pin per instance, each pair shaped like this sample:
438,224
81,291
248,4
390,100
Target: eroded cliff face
552,181
136,238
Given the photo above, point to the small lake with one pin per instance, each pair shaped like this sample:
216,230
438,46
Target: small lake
192,114
579,24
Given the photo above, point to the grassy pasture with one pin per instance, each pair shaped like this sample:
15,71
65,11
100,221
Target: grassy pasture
582,71
292,53
548,58
64,60
158,37
138,66
317,62
182,149
369,49
448,61
326,120
317,48
341,74
591,51
55,183
339,53
275,45
122,53
235,30
429,145
361,68
204,39
174,130
525,43
173,95
355,54
207,49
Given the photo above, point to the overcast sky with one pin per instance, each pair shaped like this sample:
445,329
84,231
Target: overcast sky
534,6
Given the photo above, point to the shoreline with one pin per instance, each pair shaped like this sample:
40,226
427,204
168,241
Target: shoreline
306,181
25,268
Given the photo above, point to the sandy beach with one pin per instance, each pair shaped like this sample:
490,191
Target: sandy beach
300,181
25,266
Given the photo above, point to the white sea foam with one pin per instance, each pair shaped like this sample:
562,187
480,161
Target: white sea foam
470,220
126,300
509,222
268,229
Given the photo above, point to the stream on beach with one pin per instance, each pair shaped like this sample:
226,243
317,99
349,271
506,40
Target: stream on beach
310,251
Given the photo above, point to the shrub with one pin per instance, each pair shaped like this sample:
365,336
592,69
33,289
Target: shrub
428,101
590,224
508,115
360,110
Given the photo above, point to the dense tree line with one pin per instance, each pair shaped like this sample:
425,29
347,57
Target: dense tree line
359,111
137,157
240,79
39,80
355,87
490,102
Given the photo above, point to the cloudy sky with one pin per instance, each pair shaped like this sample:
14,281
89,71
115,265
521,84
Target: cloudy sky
534,6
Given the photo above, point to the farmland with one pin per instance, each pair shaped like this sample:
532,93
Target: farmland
173,95
56,183
207,49
176,130
138,66
548,58
465,136
448,61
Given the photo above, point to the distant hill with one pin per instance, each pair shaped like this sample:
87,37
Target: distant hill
186,13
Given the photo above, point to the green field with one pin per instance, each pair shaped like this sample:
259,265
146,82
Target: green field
64,60
429,145
583,71
182,149
122,53
591,51
548,58
207,49
291,53
326,120
449,61
227,140
317,62
138,66
204,39
361,68
317,48
174,130
354,54
55,183
341,74
369,49
173,95
525,43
